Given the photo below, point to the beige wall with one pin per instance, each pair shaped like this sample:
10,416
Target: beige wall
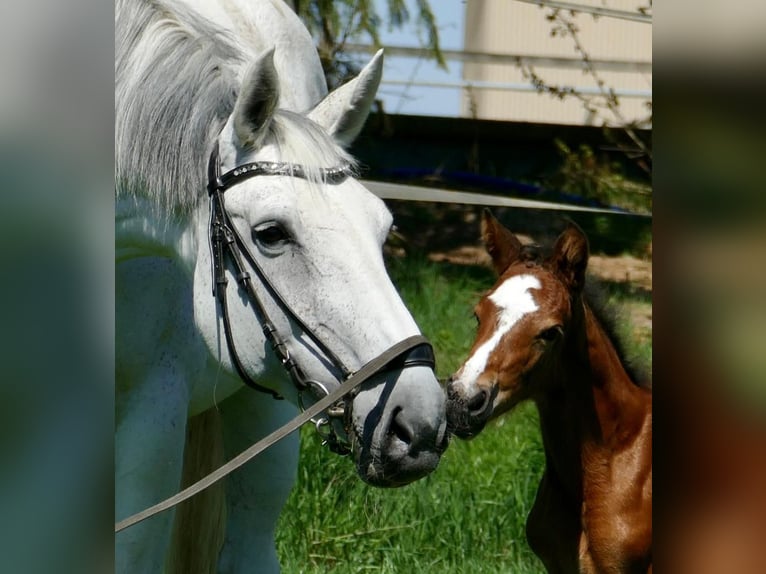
510,27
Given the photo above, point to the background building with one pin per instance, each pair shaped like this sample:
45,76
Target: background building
503,38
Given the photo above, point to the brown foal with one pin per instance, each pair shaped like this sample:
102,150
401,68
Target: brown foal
539,339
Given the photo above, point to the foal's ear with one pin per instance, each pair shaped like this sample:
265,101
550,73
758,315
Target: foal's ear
343,112
502,245
570,256
257,101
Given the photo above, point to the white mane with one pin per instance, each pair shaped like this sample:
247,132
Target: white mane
176,82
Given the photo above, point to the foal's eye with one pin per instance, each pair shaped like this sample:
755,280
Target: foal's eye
270,234
551,334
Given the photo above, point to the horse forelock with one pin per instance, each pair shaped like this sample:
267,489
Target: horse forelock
302,142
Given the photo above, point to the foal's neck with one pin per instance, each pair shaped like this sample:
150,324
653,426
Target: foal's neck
591,407
620,404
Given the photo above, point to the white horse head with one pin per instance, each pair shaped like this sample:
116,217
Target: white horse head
319,243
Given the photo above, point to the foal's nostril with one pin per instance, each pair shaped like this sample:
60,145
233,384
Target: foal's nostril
477,403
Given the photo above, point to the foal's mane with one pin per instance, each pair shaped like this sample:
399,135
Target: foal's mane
176,83
607,315
610,317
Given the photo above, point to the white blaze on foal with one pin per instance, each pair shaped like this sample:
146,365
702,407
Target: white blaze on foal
513,300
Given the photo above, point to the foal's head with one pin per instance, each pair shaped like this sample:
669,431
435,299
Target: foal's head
522,325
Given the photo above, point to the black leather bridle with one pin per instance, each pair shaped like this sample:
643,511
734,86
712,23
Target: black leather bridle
226,243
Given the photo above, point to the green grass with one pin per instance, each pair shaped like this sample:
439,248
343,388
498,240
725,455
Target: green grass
466,517
631,306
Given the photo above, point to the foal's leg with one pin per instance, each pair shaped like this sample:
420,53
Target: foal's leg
256,492
553,531
149,448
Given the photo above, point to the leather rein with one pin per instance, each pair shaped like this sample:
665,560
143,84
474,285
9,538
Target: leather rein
226,244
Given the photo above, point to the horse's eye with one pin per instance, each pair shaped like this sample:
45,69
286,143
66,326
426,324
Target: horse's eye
270,235
551,333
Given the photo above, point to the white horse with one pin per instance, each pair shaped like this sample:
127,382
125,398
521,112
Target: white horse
243,76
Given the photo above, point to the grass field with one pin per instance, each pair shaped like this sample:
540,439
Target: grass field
468,516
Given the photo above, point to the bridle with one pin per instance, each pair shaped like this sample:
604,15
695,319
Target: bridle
225,241
226,244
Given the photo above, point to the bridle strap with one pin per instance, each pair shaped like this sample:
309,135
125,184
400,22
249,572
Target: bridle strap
245,171
248,170
222,238
373,367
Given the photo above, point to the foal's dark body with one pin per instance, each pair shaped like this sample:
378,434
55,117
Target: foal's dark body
592,512
538,339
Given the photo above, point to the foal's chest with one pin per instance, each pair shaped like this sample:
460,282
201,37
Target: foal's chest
571,539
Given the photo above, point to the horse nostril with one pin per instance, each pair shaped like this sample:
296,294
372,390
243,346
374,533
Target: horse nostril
399,430
478,402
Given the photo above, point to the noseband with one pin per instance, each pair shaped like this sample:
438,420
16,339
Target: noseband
226,244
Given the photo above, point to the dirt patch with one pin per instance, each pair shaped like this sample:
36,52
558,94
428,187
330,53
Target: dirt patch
625,269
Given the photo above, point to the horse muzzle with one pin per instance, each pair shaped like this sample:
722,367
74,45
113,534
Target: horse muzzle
404,432
467,415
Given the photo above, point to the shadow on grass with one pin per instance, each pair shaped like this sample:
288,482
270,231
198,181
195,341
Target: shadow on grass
417,259
441,227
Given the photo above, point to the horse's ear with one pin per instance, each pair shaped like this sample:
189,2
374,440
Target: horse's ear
343,112
257,101
570,256
502,245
